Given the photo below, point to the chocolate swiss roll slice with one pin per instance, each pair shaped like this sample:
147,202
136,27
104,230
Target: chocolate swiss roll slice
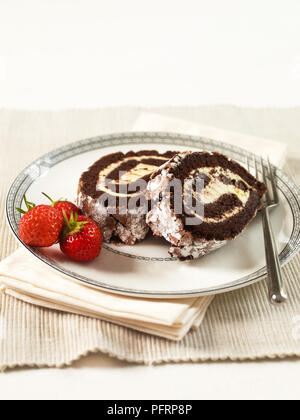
200,201
113,193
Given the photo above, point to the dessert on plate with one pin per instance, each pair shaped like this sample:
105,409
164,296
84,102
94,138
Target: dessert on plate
228,198
113,193
196,201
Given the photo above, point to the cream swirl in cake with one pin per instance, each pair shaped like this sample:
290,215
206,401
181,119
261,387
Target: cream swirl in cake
111,193
229,198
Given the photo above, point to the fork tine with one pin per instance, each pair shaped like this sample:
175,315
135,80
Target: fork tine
273,182
248,164
263,169
256,168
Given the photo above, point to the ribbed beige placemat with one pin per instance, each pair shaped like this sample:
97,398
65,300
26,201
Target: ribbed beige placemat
239,325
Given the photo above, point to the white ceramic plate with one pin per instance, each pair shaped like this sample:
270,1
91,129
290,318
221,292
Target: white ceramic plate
146,269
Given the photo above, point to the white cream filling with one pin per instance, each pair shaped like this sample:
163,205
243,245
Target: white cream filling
217,188
140,171
211,193
168,226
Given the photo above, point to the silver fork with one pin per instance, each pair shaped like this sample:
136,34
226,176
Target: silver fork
277,292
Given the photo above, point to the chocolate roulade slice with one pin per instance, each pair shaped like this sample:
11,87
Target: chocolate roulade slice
200,201
113,193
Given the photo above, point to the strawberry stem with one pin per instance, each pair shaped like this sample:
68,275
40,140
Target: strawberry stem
28,204
52,201
72,226
49,198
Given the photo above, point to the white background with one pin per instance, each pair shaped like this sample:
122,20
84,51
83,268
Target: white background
92,53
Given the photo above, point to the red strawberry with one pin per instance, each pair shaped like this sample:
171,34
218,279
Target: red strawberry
81,238
61,205
41,226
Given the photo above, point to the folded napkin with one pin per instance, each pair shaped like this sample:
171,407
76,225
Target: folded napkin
277,152
27,279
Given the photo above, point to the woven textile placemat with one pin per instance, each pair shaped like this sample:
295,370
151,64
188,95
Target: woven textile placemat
239,325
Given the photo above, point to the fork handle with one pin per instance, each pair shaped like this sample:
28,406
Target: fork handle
275,282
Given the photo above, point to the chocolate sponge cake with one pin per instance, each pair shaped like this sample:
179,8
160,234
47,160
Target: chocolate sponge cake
228,198
113,193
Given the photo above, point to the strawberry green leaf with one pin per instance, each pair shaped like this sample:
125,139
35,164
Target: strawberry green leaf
28,204
20,210
72,226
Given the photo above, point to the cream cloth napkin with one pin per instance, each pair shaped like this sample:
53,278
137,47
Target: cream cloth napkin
29,280
24,278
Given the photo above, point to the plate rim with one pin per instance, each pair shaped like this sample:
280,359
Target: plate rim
48,161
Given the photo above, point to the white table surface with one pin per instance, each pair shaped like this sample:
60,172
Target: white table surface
94,53
91,53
